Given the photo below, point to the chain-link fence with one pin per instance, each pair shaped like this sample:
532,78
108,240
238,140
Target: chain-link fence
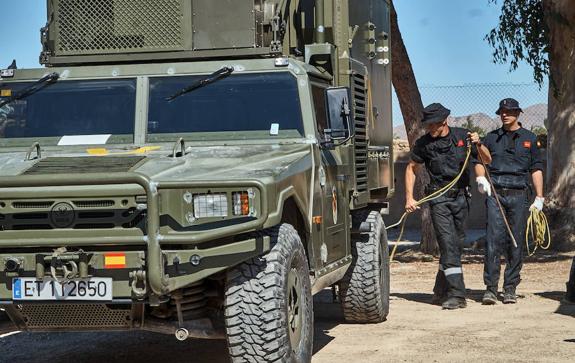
473,106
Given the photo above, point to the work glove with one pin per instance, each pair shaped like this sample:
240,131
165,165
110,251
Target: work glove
537,204
483,185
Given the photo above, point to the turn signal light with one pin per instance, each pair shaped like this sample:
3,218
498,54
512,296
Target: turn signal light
241,203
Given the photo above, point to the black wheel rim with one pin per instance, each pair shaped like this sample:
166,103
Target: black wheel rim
294,308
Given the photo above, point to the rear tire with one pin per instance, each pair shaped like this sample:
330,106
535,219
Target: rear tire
268,304
364,290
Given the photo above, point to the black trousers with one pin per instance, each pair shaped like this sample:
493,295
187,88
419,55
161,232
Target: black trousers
448,216
498,241
572,274
570,294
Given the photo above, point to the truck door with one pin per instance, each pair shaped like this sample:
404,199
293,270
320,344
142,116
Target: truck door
334,181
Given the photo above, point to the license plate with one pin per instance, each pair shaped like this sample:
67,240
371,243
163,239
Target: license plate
90,289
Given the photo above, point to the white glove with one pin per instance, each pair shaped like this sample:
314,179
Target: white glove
483,185
537,204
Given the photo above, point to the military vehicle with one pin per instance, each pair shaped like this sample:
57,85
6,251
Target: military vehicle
198,168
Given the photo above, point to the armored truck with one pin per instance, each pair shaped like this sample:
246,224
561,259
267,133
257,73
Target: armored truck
199,168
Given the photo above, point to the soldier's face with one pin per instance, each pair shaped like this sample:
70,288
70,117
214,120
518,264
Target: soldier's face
509,117
437,129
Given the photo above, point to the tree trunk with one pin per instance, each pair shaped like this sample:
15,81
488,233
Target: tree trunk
411,106
560,20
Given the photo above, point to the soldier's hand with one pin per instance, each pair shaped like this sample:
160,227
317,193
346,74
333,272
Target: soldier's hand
537,204
411,205
483,185
474,137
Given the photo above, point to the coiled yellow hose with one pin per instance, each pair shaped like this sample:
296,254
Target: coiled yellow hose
538,229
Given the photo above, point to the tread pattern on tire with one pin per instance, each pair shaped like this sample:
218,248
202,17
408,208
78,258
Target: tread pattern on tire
255,300
364,297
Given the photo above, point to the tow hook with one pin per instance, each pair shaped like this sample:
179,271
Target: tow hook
71,265
139,286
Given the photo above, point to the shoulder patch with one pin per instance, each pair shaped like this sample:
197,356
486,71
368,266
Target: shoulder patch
460,143
527,144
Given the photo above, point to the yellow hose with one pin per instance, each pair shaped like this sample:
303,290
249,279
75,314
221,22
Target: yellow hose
432,196
538,228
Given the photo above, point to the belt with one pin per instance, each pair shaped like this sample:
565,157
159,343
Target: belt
451,193
509,191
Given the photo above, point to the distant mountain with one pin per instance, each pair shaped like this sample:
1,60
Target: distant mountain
399,132
532,116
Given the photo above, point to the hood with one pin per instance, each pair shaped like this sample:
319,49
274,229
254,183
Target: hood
200,163
229,163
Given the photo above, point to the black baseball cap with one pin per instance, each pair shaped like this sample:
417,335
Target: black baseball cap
508,104
435,113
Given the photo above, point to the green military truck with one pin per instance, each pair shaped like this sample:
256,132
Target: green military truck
198,168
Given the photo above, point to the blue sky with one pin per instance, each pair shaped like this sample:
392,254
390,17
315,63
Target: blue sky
444,39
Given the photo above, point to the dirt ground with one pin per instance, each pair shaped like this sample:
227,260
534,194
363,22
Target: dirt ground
538,329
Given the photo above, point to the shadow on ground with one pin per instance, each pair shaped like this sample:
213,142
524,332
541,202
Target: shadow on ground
144,347
425,298
328,315
565,308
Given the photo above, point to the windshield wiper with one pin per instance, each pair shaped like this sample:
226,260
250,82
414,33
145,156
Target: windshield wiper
43,82
216,76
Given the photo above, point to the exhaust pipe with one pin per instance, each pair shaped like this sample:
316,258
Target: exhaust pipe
319,19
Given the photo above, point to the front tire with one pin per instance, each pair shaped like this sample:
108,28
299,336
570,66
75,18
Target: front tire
268,304
364,291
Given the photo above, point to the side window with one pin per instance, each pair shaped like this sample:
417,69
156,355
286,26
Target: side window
318,94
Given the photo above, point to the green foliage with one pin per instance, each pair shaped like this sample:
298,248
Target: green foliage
521,36
470,125
538,130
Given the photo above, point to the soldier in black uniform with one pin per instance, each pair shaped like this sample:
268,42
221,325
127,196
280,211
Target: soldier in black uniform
443,151
515,158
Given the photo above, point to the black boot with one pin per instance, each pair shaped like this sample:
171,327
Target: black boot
438,299
509,296
454,303
490,296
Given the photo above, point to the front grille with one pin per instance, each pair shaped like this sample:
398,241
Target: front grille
360,122
94,203
74,219
93,164
32,205
112,26
74,316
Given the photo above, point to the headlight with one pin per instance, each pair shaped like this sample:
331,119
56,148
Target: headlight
210,205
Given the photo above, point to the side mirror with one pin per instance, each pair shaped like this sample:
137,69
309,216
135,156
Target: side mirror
338,115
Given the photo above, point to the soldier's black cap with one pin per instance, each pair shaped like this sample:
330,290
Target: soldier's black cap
434,113
508,104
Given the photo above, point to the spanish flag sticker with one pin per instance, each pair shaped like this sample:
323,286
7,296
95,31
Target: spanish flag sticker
114,260
527,144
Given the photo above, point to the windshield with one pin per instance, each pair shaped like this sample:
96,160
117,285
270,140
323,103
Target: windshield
240,106
70,113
